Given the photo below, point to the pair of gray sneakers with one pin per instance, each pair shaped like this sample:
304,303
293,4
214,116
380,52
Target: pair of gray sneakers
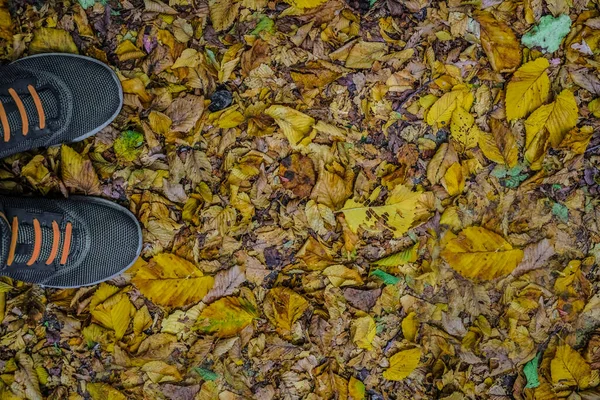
47,100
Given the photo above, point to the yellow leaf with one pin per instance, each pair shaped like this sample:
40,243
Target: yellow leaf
136,86
171,281
404,257
356,389
441,112
363,332
463,128
115,313
305,3
499,43
577,139
49,40
364,54
297,127
402,364
141,320
126,50
500,146
103,391
230,118
340,275
410,327
283,307
77,172
557,117
594,107
6,25
226,317
569,368
401,211
160,123
480,254
528,89
454,180
188,58
94,334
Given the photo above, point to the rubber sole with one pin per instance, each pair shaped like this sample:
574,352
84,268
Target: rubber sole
104,202
112,73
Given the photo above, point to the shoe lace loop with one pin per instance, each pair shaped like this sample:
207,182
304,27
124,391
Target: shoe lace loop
38,239
22,112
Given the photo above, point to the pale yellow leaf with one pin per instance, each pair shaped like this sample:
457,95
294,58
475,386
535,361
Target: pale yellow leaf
126,50
141,320
297,127
340,275
171,281
223,13
441,112
402,364
364,54
569,368
77,172
283,307
528,89
480,254
500,145
226,317
444,157
188,58
363,332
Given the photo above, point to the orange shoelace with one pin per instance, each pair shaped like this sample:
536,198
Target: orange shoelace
24,119
37,242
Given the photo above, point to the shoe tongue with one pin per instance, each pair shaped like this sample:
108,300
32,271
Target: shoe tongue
52,100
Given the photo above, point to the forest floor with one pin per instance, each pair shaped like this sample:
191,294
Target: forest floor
395,199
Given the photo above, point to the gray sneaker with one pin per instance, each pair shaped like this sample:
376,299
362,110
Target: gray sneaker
68,242
49,99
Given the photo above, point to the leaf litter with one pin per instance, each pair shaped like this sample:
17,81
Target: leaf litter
366,200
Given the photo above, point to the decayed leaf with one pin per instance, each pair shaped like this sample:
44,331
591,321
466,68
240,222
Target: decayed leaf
363,332
297,173
479,254
171,281
569,368
225,284
78,172
499,43
158,7
402,209
297,127
103,391
444,157
364,54
402,364
528,89
500,146
47,40
283,307
226,317
557,118
535,256
340,275
223,13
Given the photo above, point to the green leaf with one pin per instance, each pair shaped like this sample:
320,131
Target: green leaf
561,212
127,146
265,24
85,4
206,374
401,258
385,277
548,33
530,371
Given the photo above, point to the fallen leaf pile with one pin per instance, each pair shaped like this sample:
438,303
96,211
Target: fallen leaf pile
389,199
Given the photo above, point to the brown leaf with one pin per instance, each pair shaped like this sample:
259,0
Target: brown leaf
535,256
499,43
297,174
77,172
333,188
441,161
226,282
